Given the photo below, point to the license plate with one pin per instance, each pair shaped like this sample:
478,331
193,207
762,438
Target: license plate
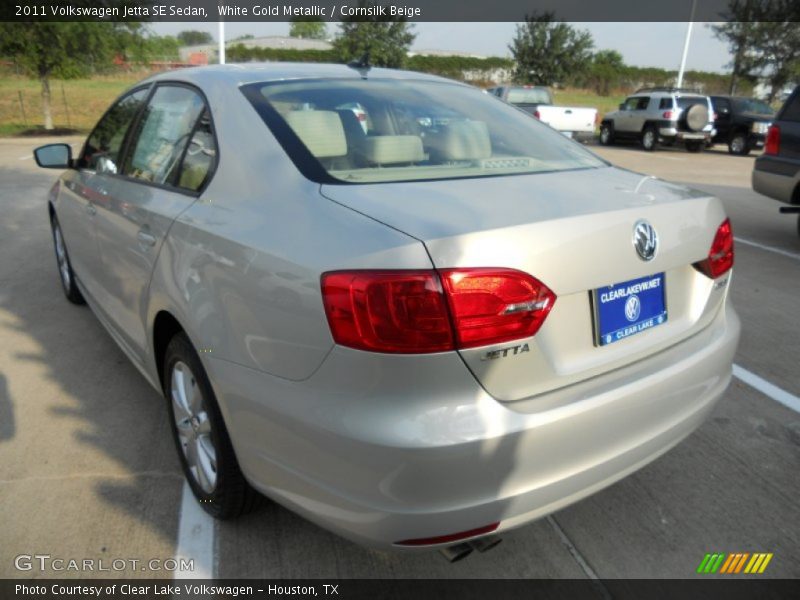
625,309
693,136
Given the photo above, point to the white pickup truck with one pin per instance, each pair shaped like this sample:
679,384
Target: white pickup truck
571,121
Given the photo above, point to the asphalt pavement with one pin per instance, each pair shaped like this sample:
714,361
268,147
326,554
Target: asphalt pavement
88,470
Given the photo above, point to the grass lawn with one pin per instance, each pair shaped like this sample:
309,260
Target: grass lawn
86,100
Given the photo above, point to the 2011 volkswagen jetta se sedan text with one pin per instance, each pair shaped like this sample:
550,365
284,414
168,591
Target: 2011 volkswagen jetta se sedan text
407,311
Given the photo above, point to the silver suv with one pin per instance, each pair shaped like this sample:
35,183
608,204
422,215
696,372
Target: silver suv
661,115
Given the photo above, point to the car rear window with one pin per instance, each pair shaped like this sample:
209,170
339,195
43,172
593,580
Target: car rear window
686,102
387,130
521,95
791,112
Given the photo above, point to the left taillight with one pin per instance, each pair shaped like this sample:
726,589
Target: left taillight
720,256
411,312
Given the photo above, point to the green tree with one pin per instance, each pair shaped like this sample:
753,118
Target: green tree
310,28
606,71
64,50
386,40
764,39
547,51
192,37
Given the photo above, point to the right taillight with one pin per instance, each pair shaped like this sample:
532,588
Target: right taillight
773,144
720,257
413,312
537,114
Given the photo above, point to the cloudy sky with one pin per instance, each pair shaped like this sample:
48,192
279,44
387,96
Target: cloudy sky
641,44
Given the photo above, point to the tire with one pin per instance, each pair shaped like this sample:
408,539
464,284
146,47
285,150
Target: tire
695,145
649,138
738,144
65,272
201,438
606,134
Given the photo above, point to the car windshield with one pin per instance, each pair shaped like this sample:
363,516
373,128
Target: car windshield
383,130
751,105
521,95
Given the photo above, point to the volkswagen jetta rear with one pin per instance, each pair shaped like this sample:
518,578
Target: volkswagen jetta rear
529,326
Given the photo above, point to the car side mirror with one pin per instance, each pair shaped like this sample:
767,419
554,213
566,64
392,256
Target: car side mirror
54,156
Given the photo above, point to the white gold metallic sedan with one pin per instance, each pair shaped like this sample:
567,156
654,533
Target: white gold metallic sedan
436,323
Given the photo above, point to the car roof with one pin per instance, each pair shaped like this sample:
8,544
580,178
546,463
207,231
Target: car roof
236,74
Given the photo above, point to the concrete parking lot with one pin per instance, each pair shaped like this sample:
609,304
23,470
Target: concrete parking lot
88,470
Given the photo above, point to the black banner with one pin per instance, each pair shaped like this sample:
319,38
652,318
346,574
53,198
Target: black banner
411,10
732,588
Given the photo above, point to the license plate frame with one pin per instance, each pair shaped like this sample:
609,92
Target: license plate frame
614,320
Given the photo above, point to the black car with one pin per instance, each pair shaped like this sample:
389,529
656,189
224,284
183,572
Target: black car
777,172
741,123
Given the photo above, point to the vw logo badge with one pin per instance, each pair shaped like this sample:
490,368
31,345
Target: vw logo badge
645,240
633,307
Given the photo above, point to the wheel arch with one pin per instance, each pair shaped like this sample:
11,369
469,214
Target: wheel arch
165,327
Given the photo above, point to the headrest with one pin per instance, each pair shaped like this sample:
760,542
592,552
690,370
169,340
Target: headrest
392,149
461,140
320,130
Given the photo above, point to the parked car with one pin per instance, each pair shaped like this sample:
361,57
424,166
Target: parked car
776,172
415,337
741,123
537,100
661,115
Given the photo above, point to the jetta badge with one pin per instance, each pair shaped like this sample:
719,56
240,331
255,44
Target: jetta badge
645,240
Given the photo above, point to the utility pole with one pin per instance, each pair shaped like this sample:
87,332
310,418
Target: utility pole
221,36
686,45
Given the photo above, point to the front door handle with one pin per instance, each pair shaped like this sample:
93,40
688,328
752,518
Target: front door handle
91,209
145,239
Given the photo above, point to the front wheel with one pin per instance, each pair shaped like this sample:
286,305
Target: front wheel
204,447
695,145
65,272
606,134
738,145
649,138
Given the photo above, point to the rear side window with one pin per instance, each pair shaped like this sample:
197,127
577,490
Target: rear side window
103,148
163,133
200,156
665,103
791,112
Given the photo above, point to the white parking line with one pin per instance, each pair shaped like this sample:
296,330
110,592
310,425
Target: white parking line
780,251
26,157
195,539
768,389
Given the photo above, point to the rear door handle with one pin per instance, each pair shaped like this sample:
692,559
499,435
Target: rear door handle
91,209
145,239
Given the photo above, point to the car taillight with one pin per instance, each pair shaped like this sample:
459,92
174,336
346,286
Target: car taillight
667,114
537,114
773,144
490,306
720,257
411,312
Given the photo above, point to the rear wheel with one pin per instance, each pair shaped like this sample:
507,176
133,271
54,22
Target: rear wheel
738,144
695,145
65,272
204,447
649,138
606,134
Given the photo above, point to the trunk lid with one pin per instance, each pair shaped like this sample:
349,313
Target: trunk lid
573,231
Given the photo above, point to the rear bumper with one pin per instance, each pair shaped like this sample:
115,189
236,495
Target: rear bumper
673,132
404,448
776,178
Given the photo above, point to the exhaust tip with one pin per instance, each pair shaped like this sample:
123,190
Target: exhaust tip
486,543
456,552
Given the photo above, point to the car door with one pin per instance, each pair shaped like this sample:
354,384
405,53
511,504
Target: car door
87,187
639,114
623,122
169,158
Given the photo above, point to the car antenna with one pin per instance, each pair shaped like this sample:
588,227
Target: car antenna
361,65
